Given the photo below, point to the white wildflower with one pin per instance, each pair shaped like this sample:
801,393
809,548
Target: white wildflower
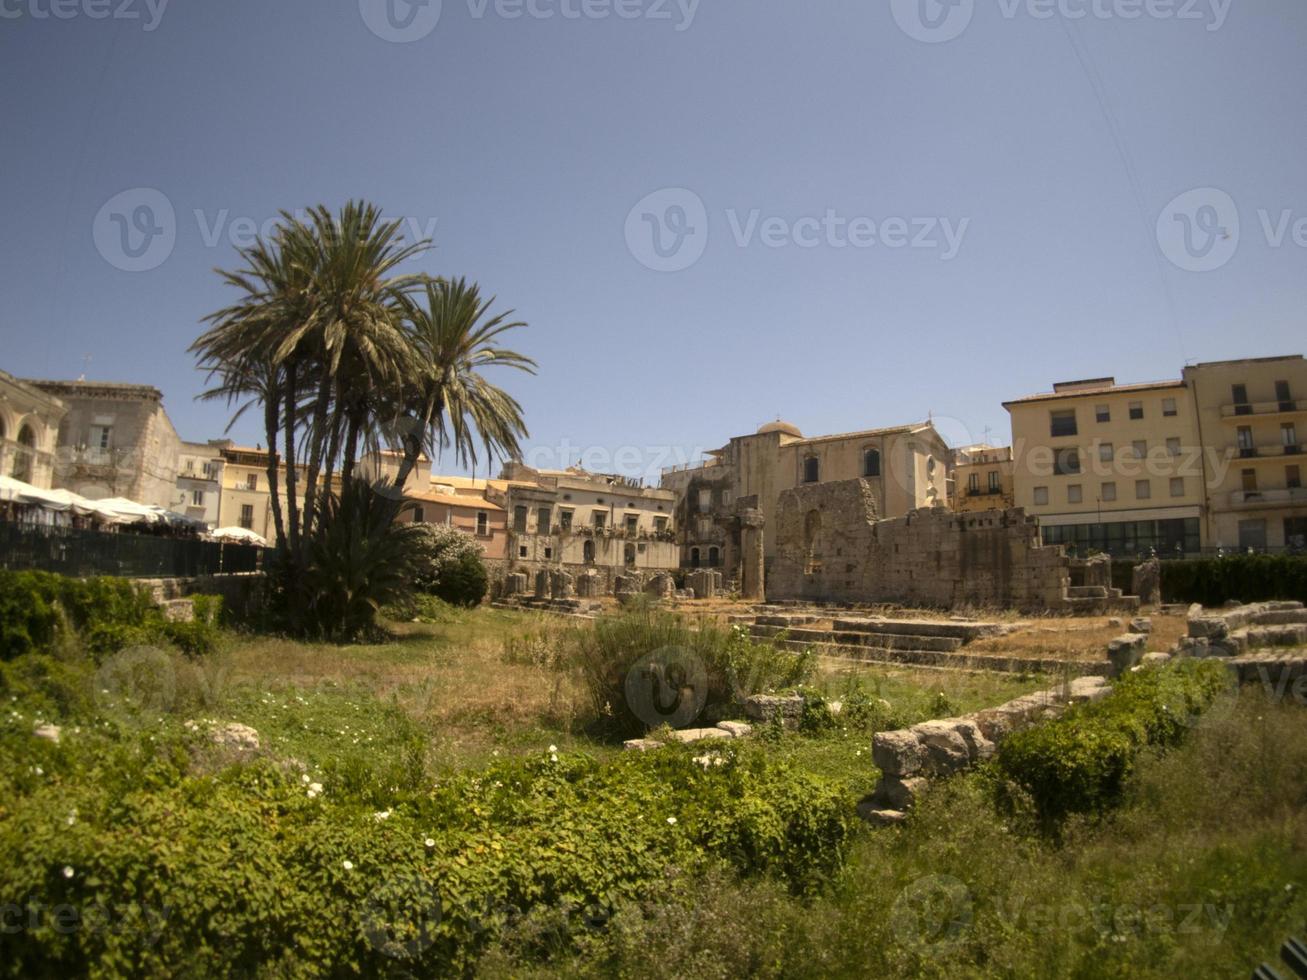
381,815
671,821
347,864
68,871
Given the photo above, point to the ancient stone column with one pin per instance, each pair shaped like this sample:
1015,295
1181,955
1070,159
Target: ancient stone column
751,556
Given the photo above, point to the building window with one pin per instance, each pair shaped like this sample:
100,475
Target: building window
247,516
549,553
483,523
519,519
599,517
1062,423
994,484
1283,397
694,557
588,551
252,481
973,483
1239,395
1244,438
1102,413
207,470
705,500
632,523
565,519
1168,407
521,551
1041,496
1066,462
1108,491
660,524
871,462
1074,494
1136,410
190,465
1173,446
1248,481
714,558
197,498
101,437
811,470
543,517
1140,449
1289,437
628,555
1143,490
1252,535
1105,452
1292,477
1177,486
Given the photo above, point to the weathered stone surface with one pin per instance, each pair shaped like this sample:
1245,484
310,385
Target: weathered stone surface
516,583
542,584
1146,582
1155,659
738,729
1088,689
234,735
1141,624
878,817
765,707
661,586
899,794
1126,651
589,585
946,749
178,610
699,734
560,584
898,753
50,733
1209,627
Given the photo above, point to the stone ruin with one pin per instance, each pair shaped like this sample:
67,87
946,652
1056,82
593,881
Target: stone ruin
833,547
1146,582
705,583
661,586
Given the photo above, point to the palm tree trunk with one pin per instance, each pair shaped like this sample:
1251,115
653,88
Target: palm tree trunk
351,450
317,441
333,450
271,404
291,476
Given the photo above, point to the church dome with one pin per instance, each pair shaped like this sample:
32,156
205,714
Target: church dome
785,428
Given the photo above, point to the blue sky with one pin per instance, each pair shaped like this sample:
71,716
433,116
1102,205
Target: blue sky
1066,147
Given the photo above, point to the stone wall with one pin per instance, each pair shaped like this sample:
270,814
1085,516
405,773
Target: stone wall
832,547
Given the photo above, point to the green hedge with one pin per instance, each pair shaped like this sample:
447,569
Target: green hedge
104,614
1214,581
249,872
1080,762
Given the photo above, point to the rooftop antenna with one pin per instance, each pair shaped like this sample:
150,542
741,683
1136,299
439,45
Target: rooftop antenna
985,432
86,363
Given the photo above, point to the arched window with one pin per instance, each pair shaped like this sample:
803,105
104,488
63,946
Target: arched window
714,557
871,462
588,550
24,455
694,557
811,470
629,556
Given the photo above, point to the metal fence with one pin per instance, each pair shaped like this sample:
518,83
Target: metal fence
70,551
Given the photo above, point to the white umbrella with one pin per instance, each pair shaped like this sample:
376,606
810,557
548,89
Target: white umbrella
239,534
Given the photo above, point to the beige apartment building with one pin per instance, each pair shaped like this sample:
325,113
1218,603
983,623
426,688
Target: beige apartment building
982,478
29,431
1251,415
907,466
1110,467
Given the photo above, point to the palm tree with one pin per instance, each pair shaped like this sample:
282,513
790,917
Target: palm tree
445,402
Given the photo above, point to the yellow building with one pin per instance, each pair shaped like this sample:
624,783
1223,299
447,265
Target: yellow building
1112,468
982,478
246,500
907,465
1251,415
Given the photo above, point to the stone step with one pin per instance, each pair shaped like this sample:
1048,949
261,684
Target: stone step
874,641
1087,592
937,658
1103,606
966,631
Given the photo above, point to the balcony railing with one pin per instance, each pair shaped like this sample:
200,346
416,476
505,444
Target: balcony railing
983,491
1269,498
1240,410
1276,451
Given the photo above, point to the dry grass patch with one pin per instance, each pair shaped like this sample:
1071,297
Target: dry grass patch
1075,637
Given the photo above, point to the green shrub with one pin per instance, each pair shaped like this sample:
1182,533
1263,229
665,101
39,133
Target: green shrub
1215,581
450,565
1079,763
678,675
30,604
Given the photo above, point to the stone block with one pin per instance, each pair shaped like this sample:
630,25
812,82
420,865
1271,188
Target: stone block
1126,651
738,729
898,753
894,793
1141,624
699,734
946,749
765,707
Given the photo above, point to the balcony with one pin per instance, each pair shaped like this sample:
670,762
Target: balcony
1274,452
1286,497
984,492
1243,410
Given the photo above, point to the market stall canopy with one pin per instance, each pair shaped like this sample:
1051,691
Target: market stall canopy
238,534
115,510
